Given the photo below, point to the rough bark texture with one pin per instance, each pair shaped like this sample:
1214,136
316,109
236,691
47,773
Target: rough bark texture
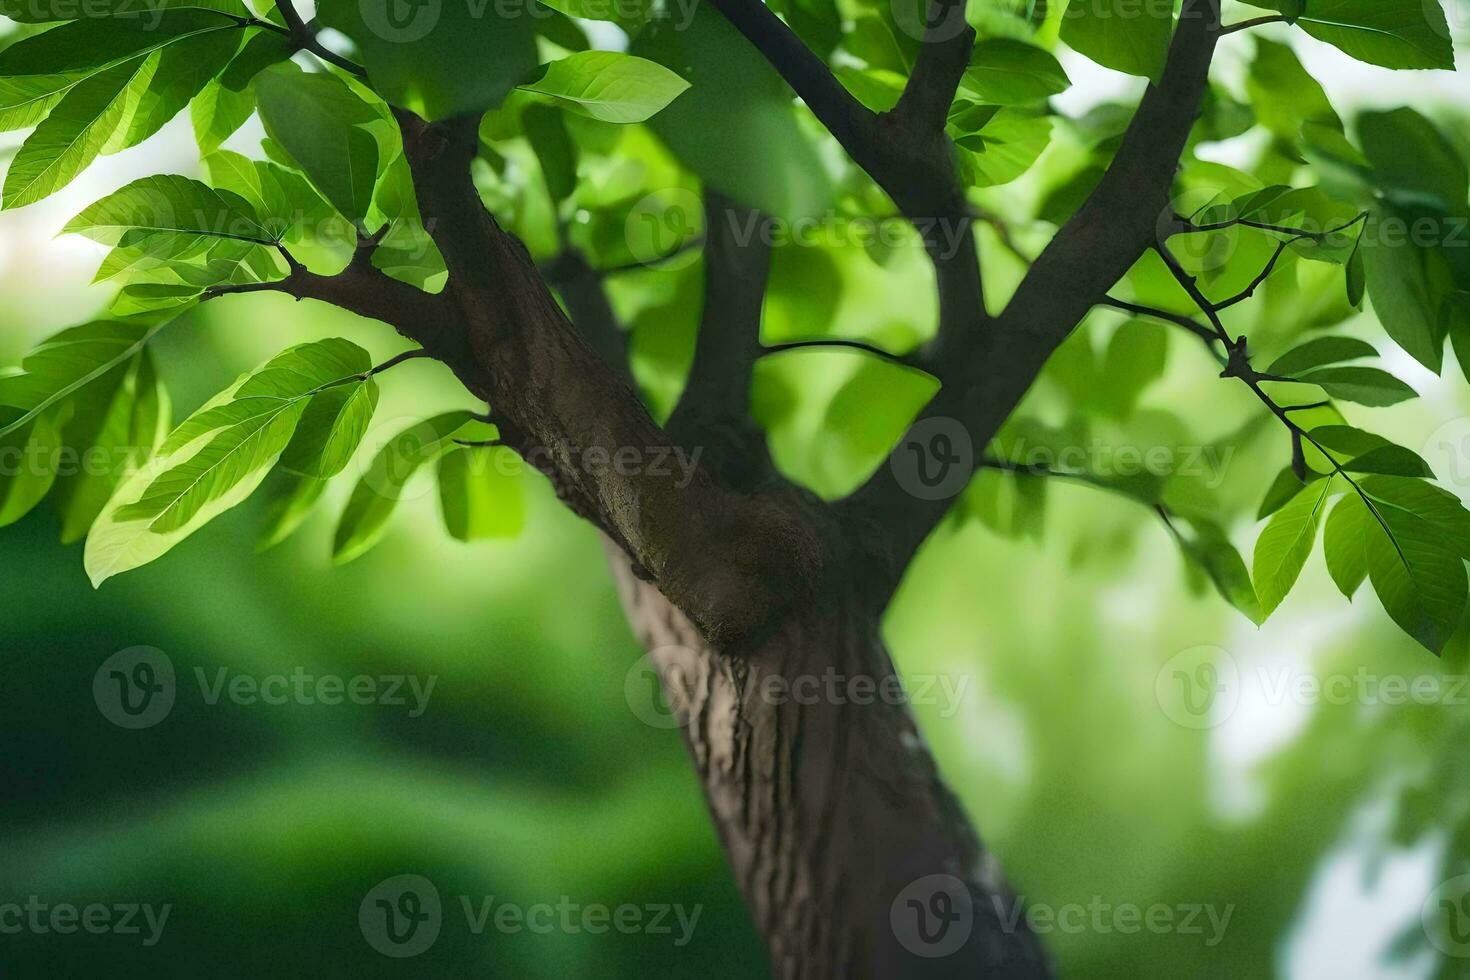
832,813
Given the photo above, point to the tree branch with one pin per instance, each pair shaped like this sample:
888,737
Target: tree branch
1240,367
363,289
1258,281
1188,323
905,151
848,120
303,35
943,57
580,288
715,407
986,376
903,360
730,560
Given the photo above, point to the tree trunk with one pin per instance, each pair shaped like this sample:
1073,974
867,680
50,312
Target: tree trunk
854,858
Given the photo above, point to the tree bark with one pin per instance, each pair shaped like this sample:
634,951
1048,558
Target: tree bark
854,858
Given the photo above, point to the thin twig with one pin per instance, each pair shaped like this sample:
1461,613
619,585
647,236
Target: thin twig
392,362
303,35
1246,25
1189,228
858,345
1188,323
1240,367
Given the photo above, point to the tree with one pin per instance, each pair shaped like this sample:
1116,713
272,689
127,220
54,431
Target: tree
505,216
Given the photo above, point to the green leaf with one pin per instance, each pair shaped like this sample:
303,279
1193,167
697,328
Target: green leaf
1007,72
1136,357
153,299
377,494
876,88
31,455
608,85
1454,317
170,203
1316,353
1399,286
217,113
444,59
289,511
1282,490
251,442
1417,568
215,458
1343,542
66,364
1124,35
318,120
116,545
331,429
1366,386
224,104
1004,149
1390,33
480,493
1212,551
1284,95
25,100
45,11
75,132
625,13
736,127
1433,504
1284,545
1357,278
1363,452
547,133
184,68
1391,461
115,426
85,47
1413,162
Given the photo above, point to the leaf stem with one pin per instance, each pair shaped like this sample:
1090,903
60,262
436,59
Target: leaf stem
1246,25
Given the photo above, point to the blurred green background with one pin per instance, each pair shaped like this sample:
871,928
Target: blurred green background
1322,827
